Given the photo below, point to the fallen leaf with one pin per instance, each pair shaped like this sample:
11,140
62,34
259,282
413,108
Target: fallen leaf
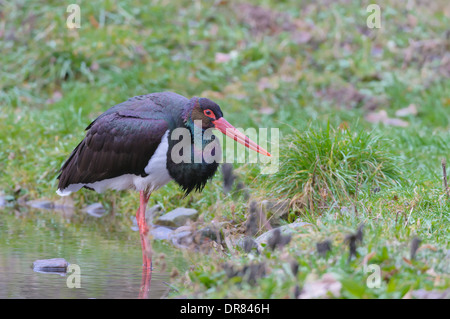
406,260
368,257
382,117
93,21
326,287
396,122
410,110
427,246
225,57
266,110
344,126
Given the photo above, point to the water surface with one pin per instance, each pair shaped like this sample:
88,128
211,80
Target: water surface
106,250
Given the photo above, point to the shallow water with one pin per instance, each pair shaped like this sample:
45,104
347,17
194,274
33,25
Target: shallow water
106,250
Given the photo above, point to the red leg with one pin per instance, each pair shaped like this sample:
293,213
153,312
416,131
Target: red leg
145,243
143,229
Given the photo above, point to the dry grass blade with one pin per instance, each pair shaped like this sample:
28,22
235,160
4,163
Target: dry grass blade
444,170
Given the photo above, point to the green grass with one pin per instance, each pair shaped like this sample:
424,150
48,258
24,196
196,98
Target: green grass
321,165
135,47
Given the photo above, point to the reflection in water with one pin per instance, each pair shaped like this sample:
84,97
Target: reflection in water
146,282
106,250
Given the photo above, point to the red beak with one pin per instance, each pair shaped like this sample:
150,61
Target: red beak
229,130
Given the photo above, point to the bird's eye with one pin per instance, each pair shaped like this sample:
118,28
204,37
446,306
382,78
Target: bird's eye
209,113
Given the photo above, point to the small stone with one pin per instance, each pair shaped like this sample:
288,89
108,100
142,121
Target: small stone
50,265
182,239
410,110
177,217
161,232
328,286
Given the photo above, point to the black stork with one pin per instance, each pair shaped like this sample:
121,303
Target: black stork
130,147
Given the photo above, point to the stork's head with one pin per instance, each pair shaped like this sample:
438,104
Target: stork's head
209,115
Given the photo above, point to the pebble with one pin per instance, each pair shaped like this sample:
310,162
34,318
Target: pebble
161,232
182,239
50,265
177,217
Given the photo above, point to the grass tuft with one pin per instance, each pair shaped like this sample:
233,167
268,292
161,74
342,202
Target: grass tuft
320,166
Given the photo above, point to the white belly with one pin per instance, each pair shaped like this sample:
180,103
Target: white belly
158,175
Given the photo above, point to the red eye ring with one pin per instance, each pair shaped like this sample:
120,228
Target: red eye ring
209,113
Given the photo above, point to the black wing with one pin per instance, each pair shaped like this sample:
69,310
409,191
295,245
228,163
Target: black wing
116,143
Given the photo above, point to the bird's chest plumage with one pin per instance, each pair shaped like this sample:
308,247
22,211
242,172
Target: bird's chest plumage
193,171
